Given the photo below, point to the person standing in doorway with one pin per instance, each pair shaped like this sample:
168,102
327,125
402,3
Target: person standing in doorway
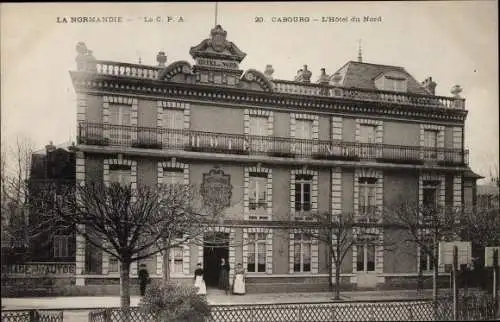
199,280
224,276
143,279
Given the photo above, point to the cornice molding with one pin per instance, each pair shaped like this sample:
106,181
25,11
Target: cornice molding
85,81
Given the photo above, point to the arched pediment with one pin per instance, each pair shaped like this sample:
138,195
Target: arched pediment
254,76
217,47
178,67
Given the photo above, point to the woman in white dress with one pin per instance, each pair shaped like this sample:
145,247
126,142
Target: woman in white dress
239,280
199,281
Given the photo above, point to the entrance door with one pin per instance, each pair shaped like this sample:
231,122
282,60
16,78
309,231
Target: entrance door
216,246
367,278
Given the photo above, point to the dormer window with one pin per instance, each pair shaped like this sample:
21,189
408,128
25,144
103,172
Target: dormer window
394,84
392,81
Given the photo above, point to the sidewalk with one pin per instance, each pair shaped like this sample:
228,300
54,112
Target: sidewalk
215,297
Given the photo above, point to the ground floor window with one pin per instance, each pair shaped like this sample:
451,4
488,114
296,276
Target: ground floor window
302,253
176,258
426,263
114,265
365,258
61,246
256,260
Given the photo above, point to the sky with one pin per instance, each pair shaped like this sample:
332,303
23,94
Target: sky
454,42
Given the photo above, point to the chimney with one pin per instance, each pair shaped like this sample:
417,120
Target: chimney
429,85
323,77
268,72
303,75
50,147
161,58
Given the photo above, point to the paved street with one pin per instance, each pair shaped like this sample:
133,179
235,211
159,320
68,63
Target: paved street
214,297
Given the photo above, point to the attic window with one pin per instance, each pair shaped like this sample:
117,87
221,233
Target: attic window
397,84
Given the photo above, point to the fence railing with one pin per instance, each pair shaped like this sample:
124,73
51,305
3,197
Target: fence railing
190,140
32,316
407,310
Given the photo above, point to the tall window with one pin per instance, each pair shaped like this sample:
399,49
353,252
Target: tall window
257,192
176,257
303,131
366,257
426,263
367,199
120,174
173,123
120,116
256,260
303,192
258,131
173,176
302,253
61,246
367,133
114,265
430,144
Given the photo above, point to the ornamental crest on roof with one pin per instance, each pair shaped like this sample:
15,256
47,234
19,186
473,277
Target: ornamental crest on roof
217,47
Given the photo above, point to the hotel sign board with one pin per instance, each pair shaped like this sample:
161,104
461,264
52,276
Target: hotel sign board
488,256
464,253
39,269
217,63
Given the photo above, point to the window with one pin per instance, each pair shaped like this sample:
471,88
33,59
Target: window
395,84
303,192
367,199
426,263
302,253
259,129
114,265
61,246
173,122
257,191
120,116
366,258
303,131
176,257
430,144
119,174
256,260
173,176
367,133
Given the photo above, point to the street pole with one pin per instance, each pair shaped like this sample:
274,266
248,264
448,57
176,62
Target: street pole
454,272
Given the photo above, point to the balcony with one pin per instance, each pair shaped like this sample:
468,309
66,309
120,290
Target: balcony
110,68
210,142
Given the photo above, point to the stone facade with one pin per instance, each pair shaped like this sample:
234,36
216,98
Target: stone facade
311,153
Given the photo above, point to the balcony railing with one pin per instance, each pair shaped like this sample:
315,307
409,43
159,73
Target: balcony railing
291,87
198,141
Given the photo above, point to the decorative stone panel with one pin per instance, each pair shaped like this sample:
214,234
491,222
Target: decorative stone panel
246,190
314,253
269,246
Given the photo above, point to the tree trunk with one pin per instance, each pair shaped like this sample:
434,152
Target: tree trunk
125,285
337,281
166,265
436,276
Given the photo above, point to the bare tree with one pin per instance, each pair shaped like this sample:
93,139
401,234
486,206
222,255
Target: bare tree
481,226
426,227
15,172
340,232
128,224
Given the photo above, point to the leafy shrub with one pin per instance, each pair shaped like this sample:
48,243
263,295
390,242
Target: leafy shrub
170,301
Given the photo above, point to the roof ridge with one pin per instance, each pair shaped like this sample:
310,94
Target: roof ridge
373,64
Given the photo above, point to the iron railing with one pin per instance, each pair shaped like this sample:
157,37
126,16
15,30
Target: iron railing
386,310
32,316
199,141
111,68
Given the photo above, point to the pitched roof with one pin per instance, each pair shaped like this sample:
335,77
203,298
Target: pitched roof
363,75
